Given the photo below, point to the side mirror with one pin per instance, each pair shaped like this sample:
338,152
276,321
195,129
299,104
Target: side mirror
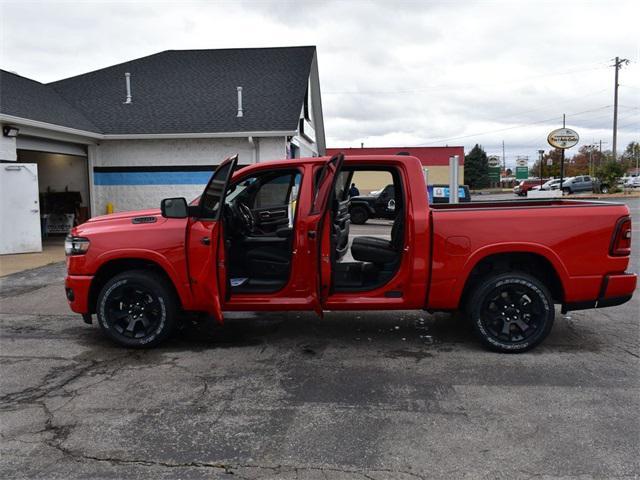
174,208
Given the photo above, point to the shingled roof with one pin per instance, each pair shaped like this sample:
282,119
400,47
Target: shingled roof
176,91
26,98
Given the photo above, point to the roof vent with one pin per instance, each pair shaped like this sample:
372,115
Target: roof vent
239,101
127,79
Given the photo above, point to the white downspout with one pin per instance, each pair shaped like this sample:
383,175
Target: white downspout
254,148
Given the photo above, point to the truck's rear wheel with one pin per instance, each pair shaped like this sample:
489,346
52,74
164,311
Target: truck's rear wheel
136,309
511,312
359,215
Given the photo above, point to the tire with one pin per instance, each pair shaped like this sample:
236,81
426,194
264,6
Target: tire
567,191
511,312
121,309
359,215
604,189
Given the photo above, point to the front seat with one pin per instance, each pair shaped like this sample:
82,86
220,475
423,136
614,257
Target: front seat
268,261
378,250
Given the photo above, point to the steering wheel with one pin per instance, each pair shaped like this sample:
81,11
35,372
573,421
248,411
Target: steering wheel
249,223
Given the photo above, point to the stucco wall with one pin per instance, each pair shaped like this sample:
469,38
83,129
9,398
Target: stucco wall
271,148
440,174
197,151
7,148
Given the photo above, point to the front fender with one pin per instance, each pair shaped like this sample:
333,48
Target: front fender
178,278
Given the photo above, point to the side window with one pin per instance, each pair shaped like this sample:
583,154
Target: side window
274,192
578,179
587,179
342,185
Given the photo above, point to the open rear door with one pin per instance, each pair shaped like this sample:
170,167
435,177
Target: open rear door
206,243
318,227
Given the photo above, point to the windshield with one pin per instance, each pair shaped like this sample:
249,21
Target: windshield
236,190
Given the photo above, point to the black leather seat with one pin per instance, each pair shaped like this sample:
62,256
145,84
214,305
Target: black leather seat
268,261
378,250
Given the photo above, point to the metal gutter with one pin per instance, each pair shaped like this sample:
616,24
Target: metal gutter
139,136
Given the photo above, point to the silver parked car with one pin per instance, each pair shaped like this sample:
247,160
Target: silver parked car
581,183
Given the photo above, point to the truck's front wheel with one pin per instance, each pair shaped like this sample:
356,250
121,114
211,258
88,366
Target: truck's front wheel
511,312
137,309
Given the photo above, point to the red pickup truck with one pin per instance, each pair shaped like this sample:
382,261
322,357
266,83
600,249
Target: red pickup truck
275,236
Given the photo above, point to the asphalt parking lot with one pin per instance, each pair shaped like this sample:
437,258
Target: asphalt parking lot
379,395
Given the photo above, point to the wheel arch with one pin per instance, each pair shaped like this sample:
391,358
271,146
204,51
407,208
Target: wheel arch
113,267
531,262
369,208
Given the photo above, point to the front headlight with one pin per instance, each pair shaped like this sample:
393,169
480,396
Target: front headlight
76,245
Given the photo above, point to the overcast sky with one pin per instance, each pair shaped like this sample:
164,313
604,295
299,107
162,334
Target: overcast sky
391,73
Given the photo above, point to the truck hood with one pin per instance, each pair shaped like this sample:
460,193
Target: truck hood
152,212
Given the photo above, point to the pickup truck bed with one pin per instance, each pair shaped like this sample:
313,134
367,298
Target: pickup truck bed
570,237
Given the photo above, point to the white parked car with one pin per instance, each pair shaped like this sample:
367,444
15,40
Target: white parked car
553,184
632,182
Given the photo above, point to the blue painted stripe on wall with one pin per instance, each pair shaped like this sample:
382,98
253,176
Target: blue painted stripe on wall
151,178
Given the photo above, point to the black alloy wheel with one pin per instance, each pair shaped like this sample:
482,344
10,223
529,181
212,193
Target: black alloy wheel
511,312
136,309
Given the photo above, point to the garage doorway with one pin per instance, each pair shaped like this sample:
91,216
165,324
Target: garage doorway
63,185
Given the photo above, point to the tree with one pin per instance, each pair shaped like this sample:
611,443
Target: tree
632,152
548,171
609,173
476,168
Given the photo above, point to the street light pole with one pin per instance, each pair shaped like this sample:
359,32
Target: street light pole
564,125
541,153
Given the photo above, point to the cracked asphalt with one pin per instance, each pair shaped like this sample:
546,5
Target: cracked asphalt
381,395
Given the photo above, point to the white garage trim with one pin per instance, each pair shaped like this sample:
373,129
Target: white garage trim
50,146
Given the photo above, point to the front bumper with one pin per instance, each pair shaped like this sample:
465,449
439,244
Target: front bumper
77,289
616,289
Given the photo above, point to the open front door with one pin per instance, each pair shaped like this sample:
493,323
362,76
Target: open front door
318,226
205,243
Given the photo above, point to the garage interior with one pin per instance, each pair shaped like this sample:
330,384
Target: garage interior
63,184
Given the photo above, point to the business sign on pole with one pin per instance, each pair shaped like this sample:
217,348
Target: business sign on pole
563,138
494,168
522,168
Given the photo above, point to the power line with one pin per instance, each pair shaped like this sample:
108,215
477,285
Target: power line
510,128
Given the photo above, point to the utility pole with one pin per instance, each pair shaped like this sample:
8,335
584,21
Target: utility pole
617,65
541,153
564,125
504,159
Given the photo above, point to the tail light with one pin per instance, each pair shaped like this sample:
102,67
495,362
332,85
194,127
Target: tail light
621,240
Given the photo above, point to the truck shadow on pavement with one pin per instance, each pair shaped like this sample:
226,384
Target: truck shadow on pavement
407,334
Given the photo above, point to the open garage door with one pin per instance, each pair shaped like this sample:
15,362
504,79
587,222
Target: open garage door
63,182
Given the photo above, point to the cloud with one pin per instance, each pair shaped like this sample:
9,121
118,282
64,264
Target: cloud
396,73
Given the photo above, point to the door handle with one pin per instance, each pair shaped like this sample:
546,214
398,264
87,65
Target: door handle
311,234
205,241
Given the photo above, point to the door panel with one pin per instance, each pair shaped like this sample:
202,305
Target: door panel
270,218
319,230
19,208
204,241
